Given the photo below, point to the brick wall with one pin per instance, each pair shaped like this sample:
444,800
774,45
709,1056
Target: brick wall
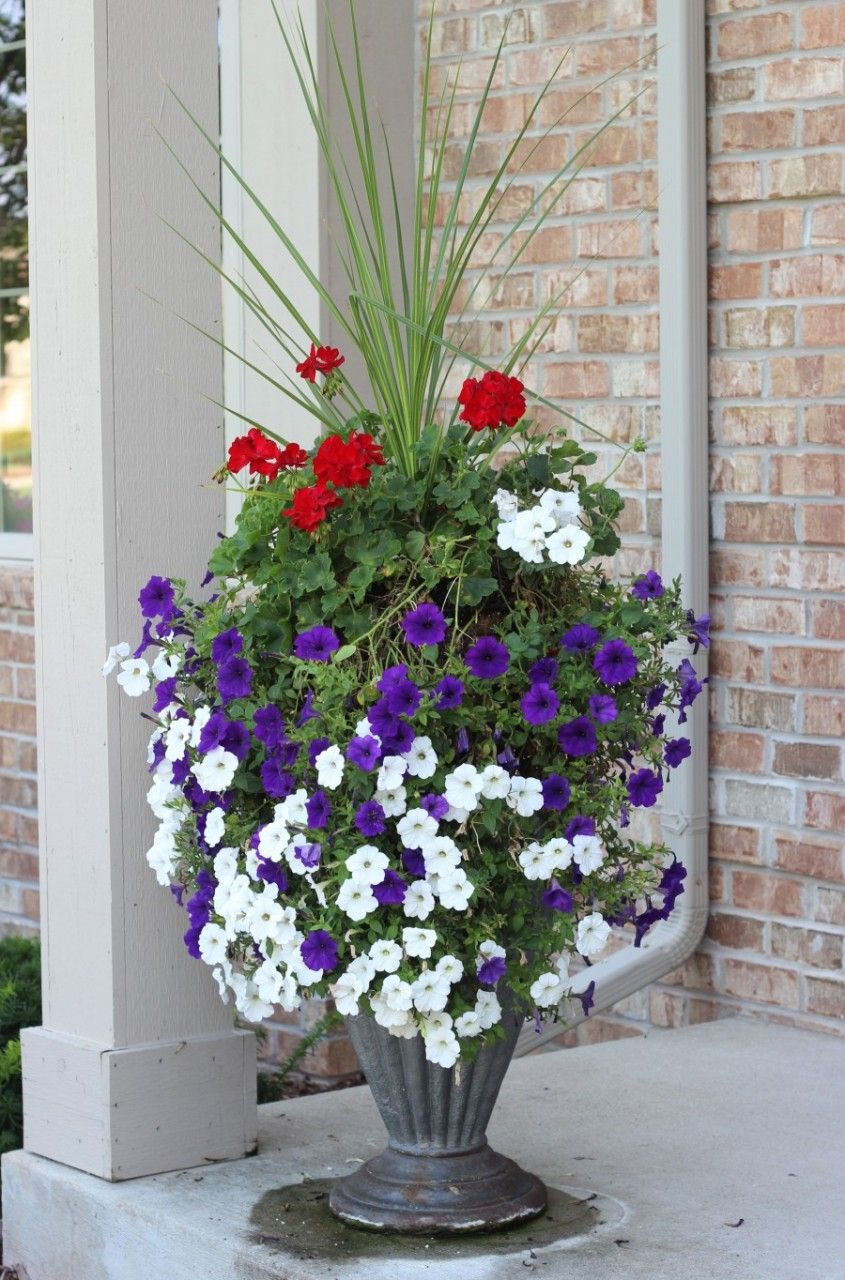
776,91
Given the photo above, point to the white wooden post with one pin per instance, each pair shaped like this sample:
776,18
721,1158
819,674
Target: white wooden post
137,1068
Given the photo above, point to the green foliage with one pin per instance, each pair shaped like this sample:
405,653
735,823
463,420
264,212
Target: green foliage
20,1006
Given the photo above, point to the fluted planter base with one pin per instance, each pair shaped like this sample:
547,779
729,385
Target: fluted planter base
438,1175
438,1195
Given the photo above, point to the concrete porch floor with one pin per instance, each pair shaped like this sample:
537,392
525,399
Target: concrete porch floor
716,1151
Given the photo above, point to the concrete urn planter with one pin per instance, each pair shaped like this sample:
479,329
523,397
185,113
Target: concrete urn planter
437,1175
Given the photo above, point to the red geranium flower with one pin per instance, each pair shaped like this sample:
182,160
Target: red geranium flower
310,506
262,455
319,360
493,401
347,463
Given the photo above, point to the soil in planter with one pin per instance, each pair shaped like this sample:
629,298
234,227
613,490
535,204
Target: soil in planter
296,1221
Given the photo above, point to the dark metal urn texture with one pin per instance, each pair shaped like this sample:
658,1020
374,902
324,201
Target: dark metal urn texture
437,1175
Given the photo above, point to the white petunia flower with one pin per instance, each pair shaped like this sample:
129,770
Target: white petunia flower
393,801
330,765
418,942
450,968
273,841
367,865
292,810
467,1024
463,787
225,866
487,1009
417,829
363,729
201,719
176,738
536,863
385,955
363,970
134,677
385,1016
397,994
491,950
505,538
496,782
441,1045
525,796
454,890
421,759
563,505
165,666
215,827
251,1006
162,793
430,992
593,933
116,652
405,1030
568,545
560,851
269,980
212,943
418,902
562,964
162,856
219,976
441,856
548,990
588,853
356,900
345,993
391,773
264,914
529,534
216,770
155,737
506,503
456,814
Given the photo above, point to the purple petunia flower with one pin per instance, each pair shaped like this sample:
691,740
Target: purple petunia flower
287,753
491,970
276,782
390,892
436,806
556,791
544,671
462,741
269,726
272,873
657,725
540,704
580,826
691,687
615,663
580,638
307,713
676,750
318,809
413,861
158,599
424,625
165,693
699,630
370,819
158,749
315,747
577,737
648,587
365,752
213,732
587,998
226,645
508,759
400,739
316,645
382,719
236,739
487,658
234,679
450,693
654,697
404,698
391,676
309,854
644,787
146,639
556,898
603,708
319,951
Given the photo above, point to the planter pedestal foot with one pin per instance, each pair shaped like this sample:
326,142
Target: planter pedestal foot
421,1194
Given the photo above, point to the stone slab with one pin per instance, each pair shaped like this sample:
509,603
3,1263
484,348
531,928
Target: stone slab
715,1151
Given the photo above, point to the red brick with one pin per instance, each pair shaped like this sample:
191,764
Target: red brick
807,376
765,984
736,84
825,810
815,474
825,525
665,1008
570,106
825,424
738,933
768,894
736,660
824,127
807,276
757,130
803,78
621,333
822,26
801,855
610,239
540,155
760,710
806,667
17,717
617,144
635,284
810,947
699,1011
551,244
736,844
598,57
739,280
759,327
581,379
759,522
826,996
634,189
830,906
824,714
806,760
17,646
735,181
828,618
759,424
17,864
738,473
573,17
829,225
729,378
742,752
808,570
800,176
763,613
764,230
744,38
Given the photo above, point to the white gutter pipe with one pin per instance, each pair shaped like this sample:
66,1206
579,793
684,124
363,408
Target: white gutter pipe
682,156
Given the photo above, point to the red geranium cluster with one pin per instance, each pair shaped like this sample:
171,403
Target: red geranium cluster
348,464
263,456
345,464
493,401
319,360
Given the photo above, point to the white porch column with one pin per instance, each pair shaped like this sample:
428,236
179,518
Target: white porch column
137,1068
